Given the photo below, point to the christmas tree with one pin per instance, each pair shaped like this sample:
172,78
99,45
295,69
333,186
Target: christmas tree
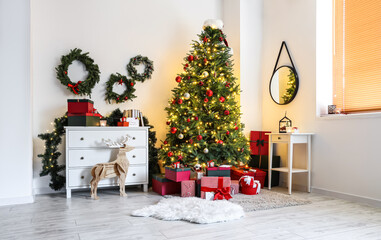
203,115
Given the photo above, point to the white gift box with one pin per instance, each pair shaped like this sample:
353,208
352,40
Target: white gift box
133,122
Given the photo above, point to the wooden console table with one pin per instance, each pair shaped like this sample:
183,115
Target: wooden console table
291,139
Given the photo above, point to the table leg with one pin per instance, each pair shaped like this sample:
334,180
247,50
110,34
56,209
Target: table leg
290,155
309,163
145,187
270,162
68,193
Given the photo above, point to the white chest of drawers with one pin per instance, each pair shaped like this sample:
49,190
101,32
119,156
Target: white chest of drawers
85,148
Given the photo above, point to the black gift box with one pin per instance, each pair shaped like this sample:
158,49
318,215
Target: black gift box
262,162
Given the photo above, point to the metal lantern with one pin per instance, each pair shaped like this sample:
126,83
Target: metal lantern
284,123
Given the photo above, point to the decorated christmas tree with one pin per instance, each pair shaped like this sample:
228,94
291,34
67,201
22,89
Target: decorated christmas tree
203,114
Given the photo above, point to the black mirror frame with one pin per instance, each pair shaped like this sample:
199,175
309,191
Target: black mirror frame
291,67
296,87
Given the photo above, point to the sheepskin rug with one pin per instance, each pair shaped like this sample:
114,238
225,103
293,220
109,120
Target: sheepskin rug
192,209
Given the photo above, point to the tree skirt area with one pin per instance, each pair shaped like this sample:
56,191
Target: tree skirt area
197,210
192,209
266,200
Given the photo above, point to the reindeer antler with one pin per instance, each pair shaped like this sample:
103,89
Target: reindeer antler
113,144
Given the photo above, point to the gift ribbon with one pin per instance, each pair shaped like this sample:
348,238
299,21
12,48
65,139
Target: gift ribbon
221,191
74,87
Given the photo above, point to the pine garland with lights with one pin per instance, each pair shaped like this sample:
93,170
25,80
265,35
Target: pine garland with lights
203,116
49,158
80,87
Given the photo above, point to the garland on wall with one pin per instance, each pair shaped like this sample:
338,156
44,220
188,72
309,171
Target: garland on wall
117,78
80,87
50,164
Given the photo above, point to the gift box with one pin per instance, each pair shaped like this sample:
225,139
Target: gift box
177,174
218,171
234,187
262,163
196,175
218,186
259,143
249,185
258,174
83,119
80,106
164,186
123,124
188,188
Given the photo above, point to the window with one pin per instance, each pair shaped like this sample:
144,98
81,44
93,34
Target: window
357,55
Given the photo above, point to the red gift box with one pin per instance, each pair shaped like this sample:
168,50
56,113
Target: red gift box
188,188
259,143
80,106
123,124
234,187
177,174
249,185
220,186
164,186
259,175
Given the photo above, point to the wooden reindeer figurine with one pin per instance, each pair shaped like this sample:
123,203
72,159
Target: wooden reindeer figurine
117,168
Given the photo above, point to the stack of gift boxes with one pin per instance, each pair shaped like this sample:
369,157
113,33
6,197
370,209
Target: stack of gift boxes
212,183
81,112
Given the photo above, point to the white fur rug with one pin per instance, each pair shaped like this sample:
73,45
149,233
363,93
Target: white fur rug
192,209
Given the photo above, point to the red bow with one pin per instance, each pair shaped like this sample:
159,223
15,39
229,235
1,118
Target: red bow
74,87
222,193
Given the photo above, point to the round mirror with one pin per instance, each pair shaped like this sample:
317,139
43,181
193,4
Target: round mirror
284,85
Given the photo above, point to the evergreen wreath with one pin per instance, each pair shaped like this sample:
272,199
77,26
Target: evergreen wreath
51,154
80,87
126,95
148,68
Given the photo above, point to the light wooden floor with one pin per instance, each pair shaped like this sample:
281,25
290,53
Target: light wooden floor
54,217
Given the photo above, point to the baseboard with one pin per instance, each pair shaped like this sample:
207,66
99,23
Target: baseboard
349,197
16,200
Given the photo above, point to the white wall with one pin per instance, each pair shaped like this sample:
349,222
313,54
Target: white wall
113,31
345,151
15,121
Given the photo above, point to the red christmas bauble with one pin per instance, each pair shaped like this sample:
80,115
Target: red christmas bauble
188,120
220,141
199,137
235,124
187,65
236,128
132,84
206,100
185,68
196,118
180,101
226,112
222,99
165,142
178,79
173,101
117,98
170,154
65,73
173,130
190,58
168,122
201,83
221,39
227,64
205,60
188,77
125,98
227,132
209,93
191,141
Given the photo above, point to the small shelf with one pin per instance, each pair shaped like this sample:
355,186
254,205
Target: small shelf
285,169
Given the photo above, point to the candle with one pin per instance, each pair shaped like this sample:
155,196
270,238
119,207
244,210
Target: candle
103,122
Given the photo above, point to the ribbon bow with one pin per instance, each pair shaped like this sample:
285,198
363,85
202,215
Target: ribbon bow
75,87
260,142
222,193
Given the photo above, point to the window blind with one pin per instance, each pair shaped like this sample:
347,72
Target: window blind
357,55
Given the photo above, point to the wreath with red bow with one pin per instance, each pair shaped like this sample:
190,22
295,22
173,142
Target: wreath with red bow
79,87
127,95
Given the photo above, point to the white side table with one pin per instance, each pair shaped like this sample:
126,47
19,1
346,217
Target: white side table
291,139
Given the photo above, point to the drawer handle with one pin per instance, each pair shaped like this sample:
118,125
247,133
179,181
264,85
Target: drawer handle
133,156
133,138
134,174
82,158
278,138
82,177
82,139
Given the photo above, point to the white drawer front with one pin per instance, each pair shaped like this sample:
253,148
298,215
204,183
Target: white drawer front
94,138
280,137
82,177
88,158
